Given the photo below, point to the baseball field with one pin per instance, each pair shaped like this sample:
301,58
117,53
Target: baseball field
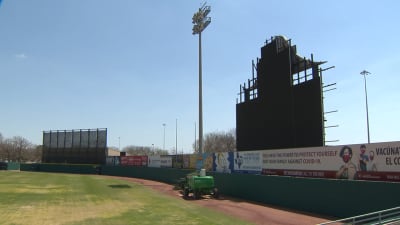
68,199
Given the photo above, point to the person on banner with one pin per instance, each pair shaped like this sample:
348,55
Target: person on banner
348,170
371,166
222,163
363,159
239,160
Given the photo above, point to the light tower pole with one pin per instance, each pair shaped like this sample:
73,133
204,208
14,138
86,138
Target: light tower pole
164,136
365,73
201,21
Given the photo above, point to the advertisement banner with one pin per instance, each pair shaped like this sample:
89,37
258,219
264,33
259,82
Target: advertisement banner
383,156
154,161
192,161
223,162
248,162
324,158
377,161
134,160
124,161
177,161
112,161
166,161
204,161
144,160
186,161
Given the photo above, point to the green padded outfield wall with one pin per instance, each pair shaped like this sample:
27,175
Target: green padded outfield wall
61,168
337,198
13,166
166,175
329,197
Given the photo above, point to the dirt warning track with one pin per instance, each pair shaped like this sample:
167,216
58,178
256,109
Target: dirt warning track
249,211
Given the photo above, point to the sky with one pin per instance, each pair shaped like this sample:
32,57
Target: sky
132,66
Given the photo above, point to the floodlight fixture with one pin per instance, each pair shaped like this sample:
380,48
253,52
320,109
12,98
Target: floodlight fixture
206,10
200,19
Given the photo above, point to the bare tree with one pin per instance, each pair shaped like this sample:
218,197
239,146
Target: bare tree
16,149
7,150
19,149
219,142
143,150
35,154
2,151
22,147
160,152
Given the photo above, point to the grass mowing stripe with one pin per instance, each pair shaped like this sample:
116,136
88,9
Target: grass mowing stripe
70,199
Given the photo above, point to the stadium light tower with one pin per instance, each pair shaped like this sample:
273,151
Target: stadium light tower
365,73
201,21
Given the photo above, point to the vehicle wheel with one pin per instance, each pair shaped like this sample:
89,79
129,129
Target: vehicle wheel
182,183
196,194
215,193
186,192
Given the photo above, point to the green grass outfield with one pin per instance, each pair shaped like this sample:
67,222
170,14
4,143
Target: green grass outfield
28,198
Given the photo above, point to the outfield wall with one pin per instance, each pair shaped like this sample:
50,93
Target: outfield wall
166,175
337,198
61,168
330,197
13,166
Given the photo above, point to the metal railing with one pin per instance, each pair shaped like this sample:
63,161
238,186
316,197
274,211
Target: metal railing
388,216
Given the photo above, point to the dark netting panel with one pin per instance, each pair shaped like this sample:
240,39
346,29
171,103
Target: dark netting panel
53,140
102,139
75,146
76,139
46,140
93,139
61,139
84,139
68,139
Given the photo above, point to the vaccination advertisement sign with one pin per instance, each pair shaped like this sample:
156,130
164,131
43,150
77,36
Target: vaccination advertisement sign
304,162
223,162
378,161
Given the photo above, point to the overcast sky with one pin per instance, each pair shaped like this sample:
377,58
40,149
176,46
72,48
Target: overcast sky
131,66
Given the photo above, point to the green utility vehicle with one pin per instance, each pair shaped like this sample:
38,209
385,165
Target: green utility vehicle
199,185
